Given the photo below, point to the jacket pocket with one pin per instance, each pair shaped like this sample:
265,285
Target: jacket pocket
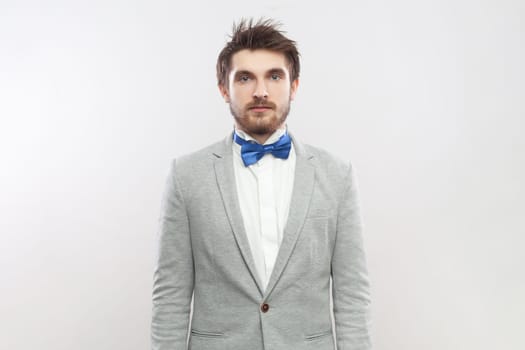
317,213
320,335
206,334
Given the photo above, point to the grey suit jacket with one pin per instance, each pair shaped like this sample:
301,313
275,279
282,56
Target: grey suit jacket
203,251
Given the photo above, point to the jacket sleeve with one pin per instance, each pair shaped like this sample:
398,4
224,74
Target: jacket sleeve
173,275
350,285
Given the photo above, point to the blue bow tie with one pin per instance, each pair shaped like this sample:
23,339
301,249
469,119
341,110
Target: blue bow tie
251,152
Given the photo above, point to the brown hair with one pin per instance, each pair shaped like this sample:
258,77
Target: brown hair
263,34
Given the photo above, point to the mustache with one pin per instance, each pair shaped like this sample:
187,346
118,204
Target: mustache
261,104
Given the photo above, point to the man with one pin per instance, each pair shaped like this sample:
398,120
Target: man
255,225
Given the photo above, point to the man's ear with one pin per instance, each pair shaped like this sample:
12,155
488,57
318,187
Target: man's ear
224,92
293,88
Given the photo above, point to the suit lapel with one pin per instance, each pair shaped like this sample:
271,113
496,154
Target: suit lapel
223,165
299,204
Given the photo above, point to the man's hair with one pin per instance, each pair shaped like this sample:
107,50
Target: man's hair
263,34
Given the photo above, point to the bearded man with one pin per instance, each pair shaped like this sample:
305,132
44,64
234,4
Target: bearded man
257,228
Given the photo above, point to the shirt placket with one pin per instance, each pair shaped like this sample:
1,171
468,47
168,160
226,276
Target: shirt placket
268,215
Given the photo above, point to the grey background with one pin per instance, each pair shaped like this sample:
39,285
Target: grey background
425,97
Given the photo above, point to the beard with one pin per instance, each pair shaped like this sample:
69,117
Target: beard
260,123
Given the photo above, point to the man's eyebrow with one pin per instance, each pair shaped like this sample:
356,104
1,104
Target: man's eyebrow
242,72
277,70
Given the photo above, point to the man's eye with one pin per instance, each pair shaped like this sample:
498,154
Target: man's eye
244,78
276,77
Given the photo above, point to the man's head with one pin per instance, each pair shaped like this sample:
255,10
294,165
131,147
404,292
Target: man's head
258,75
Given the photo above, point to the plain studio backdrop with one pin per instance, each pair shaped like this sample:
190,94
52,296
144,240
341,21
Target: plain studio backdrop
425,97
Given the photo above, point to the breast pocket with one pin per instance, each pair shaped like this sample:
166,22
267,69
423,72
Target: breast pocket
317,238
317,213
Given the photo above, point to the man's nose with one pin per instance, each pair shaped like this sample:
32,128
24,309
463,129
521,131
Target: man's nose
260,91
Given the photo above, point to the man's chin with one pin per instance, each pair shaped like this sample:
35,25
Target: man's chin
260,124
259,128
261,132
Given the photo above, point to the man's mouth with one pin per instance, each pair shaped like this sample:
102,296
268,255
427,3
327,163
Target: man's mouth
260,108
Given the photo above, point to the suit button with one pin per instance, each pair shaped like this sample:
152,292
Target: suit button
265,307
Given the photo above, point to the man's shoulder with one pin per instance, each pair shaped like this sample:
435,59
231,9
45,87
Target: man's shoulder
331,170
190,165
201,154
328,161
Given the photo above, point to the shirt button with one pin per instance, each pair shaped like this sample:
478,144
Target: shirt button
265,307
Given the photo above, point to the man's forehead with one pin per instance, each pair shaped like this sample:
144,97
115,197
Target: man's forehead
258,60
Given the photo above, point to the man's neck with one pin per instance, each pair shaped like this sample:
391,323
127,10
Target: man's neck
260,138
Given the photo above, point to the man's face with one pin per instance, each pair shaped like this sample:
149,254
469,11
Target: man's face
259,90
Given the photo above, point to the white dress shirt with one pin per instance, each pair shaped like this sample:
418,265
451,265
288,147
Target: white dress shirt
264,190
